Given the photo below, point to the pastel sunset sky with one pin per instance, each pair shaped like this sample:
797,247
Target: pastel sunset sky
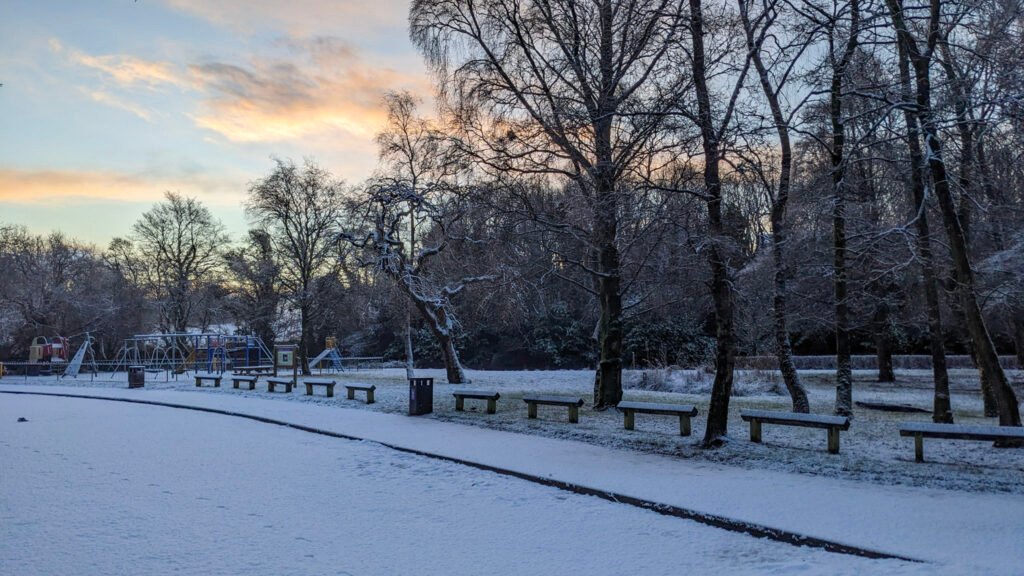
106,104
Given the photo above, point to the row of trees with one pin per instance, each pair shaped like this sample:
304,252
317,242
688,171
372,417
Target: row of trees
681,182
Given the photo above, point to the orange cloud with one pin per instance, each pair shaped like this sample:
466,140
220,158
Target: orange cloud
47,186
326,87
124,69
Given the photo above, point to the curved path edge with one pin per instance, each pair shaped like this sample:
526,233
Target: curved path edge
725,523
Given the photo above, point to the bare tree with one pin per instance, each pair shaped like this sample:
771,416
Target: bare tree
774,70
568,90
920,51
256,285
300,208
175,250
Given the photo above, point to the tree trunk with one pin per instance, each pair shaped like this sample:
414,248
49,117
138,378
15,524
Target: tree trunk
988,360
721,288
883,342
1018,337
305,339
844,373
608,381
942,410
410,363
452,364
780,201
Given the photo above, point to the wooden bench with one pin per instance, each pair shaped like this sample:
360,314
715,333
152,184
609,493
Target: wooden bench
258,370
831,423
491,397
250,380
922,430
211,377
288,383
683,411
368,388
573,404
327,384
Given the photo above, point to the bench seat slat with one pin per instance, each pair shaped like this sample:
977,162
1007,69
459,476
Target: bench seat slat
797,419
478,394
319,382
553,400
658,408
280,380
960,432
361,386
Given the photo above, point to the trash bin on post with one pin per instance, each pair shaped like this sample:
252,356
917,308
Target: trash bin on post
421,396
136,376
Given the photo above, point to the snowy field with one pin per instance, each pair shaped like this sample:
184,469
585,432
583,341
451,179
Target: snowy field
872,450
95,487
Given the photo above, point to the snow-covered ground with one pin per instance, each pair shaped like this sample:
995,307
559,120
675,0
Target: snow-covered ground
975,527
92,487
871,451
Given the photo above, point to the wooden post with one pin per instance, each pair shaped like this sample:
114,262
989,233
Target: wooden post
574,414
459,403
351,394
918,448
369,396
531,409
198,380
755,431
492,405
630,419
833,440
309,389
684,425
330,390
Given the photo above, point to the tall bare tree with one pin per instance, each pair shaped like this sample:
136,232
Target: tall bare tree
569,90
300,208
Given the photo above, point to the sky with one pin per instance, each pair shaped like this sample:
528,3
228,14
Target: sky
107,104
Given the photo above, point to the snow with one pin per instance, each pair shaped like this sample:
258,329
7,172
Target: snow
93,487
960,532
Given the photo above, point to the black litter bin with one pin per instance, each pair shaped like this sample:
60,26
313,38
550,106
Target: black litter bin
421,396
136,376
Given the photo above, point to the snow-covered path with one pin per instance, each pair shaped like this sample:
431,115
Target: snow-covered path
111,488
964,533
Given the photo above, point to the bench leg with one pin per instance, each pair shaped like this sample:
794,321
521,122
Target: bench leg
351,394
459,403
630,419
270,387
197,383
492,405
309,389
288,388
574,414
330,391
684,425
216,383
755,431
252,385
369,396
918,448
531,410
235,383
833,441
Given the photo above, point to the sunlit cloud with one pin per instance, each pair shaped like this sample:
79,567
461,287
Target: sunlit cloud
117,102
124,69
324,87
52,186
